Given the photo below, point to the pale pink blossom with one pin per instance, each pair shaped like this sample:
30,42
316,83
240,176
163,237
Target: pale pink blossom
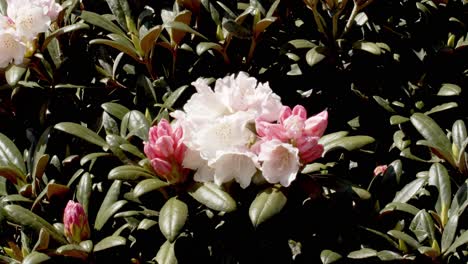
280,162
29,18
75,221
166,151
240,165
50,8
11,48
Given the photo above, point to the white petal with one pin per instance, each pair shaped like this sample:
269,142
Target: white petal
240,166
280,162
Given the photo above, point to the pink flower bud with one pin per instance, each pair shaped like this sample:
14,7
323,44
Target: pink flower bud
75,222
380,170
166,151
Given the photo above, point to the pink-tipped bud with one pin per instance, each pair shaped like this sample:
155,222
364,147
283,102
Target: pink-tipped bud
380,170
75,223
166,151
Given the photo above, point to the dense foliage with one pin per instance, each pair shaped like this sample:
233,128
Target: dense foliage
82,90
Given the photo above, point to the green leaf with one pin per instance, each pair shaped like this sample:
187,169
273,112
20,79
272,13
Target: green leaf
149,39
111,197
362,253
121,46
202,47
409,191
449,89
108,213
82,132
459,135
438,177
119,14
166,254
28,219
461,240
384,104
148,185
14,74
129,173
302,44
405,237
429,129
368,47
442,107
262,25
115,109
109,242
316,55
398,119
349,143
10,155
12,174
460,200
210,195
382,235
387,255
83,192
268,203
93,157
133,150
136,124
450,230
61,31
423,227
399,206
35,258
146,224
237,30
179,26
328,256
73,251
102,22
172,98
172,218
325,139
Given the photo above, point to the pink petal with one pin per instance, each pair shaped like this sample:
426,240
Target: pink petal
179,152
311,155
161,167
300,111
164,128
316,125
270,131
285,113
164,146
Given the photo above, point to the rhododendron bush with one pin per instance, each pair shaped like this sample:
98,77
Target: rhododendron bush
260,131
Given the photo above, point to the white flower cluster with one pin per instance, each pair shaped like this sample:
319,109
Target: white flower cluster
241,128
24,20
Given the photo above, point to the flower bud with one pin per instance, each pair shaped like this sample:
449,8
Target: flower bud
75,222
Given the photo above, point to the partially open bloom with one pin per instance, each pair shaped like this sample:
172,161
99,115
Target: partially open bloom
75,222
166,151
294,127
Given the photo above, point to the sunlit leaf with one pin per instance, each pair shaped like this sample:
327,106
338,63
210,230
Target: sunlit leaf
148,185
449,89
210,195
438,177
28,219
109,242
349,143
172,218
405,237
328,256
362,253
82,132
115,109
110,199
268,203
101,21
166,254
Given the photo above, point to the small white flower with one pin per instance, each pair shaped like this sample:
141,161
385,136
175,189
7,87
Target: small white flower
280,162
29,18
238,165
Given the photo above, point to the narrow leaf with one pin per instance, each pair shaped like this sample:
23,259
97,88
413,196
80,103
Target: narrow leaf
102,22
82,132
109,242
148,185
